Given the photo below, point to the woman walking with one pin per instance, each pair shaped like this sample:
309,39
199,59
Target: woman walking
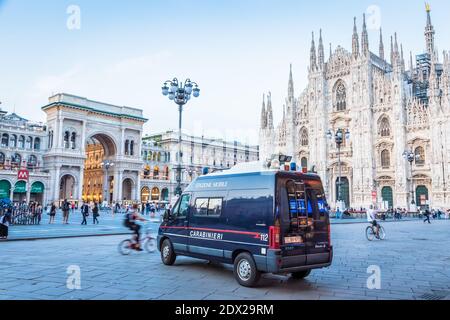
95,213
52,213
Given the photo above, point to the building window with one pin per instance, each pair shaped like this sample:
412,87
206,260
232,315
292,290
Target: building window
5,140
66,139
37,144
32,162
304,163
21,142
384,128
2,160
13,141
73,140
420,156
50,139
16,161
29,143
304,140
385,159
127,147
340,96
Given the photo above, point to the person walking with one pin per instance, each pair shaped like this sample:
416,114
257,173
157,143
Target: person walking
38,213
5,220
84,213
52,213
65,210
427,216
95,213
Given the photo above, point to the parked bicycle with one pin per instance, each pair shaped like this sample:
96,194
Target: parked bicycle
375,230
148,242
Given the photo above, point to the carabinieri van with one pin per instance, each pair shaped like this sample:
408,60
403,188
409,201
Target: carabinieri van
260,221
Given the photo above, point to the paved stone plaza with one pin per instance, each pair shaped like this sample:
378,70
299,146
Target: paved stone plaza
414,262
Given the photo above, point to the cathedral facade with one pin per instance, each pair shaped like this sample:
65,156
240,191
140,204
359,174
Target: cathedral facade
390,107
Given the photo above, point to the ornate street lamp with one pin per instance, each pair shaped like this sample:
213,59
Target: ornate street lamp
410,156
107,164
180,93
339,140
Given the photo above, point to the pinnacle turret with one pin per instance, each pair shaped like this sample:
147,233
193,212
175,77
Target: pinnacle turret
355,40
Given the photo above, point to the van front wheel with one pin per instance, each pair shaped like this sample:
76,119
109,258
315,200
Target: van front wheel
168,256
245,270
301,275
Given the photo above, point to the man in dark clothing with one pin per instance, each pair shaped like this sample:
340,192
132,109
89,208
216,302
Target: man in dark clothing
427,216
65,210
84,213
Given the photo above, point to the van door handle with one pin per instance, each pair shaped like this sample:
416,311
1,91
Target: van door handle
261,225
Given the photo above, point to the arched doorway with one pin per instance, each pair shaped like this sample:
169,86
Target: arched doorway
5,189
37,192
20,192
422,196
67,188
165,194
345,190
155,194
98,178
145,194
388,196
127,189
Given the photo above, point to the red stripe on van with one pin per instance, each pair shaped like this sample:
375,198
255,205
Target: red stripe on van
256,235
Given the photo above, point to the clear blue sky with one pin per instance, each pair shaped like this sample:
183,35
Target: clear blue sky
235,50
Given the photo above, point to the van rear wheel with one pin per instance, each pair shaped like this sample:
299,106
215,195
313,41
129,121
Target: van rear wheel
168,255
301,275
245,270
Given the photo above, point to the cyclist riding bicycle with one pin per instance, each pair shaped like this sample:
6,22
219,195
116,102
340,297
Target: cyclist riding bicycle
372,218
130,222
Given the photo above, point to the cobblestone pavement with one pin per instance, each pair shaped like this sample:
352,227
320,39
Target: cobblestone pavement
414,262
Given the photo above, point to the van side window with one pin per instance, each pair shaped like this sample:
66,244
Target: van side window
201,207
183,207
208,207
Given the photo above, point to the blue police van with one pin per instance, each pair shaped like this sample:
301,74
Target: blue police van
260,221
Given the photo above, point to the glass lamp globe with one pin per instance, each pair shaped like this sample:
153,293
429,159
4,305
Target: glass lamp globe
196,92
171,96
165,90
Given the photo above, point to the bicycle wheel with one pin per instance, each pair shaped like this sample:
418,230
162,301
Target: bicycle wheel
150,245
370,235
125,247
381,233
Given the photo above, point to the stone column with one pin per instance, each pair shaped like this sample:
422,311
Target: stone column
83,137
11,193
138,187
122,143
56,183
105,185
61,133
28,186
119,186
116,186
80,185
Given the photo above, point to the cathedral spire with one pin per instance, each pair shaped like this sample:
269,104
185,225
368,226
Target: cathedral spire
411,64
392,51
331,50
291,84
263,114
381,45
313,57
402,58
355,40
269,111
321,51
364,38
429,32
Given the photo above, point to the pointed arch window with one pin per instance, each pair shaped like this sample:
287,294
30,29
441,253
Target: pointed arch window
340,96
385,159
132,148
385,127
73,140
420,156
127,147
66,139
304,139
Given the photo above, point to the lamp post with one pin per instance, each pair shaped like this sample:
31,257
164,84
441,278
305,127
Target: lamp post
339,140
107,164
410,156
180,93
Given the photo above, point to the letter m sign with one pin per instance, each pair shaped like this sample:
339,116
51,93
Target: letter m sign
23,175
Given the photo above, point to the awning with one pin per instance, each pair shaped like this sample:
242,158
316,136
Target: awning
21,187
37,187
5,189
